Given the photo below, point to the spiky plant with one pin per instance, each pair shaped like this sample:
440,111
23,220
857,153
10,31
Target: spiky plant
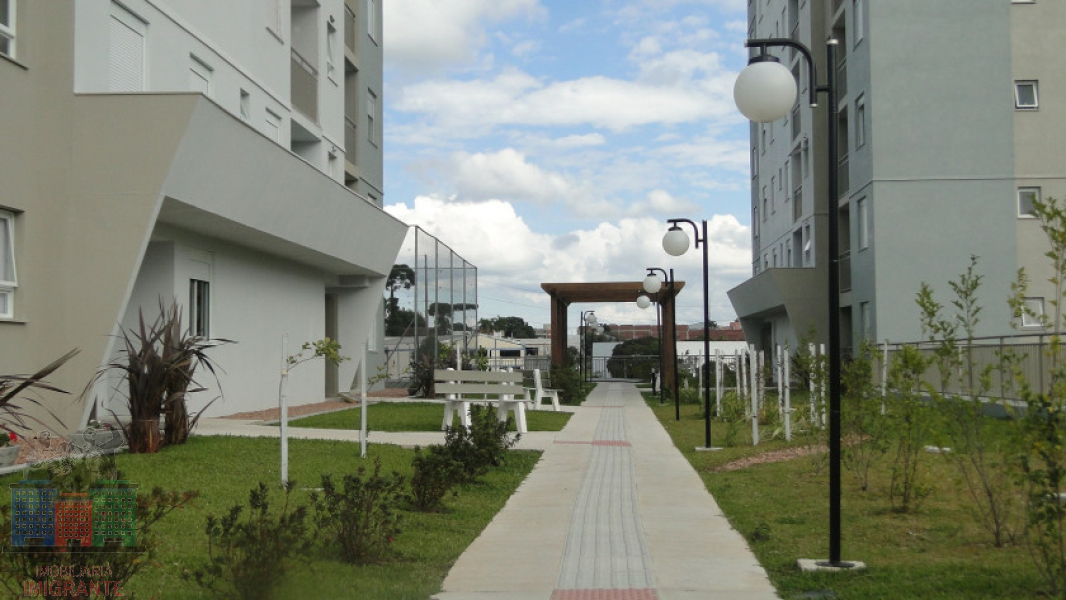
16,387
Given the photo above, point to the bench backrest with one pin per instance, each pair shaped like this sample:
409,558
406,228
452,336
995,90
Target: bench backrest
477,382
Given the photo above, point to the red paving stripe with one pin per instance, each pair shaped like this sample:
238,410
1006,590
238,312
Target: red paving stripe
636,594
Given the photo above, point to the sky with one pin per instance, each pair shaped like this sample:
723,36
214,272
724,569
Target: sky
550,140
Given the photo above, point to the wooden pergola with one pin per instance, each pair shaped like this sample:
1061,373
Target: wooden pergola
565,294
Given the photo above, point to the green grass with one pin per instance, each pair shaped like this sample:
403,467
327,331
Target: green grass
224,469
938,553
415,416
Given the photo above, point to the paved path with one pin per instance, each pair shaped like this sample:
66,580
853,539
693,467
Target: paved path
612,511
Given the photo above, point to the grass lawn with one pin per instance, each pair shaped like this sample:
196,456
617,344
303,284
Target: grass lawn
415,416
937,553
224,469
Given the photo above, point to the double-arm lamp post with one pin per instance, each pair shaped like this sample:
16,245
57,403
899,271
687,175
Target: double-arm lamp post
652,284
675,242
765,91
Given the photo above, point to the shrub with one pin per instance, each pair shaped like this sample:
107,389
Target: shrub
76,476
568,381
248,555
435,472
360,518
482,446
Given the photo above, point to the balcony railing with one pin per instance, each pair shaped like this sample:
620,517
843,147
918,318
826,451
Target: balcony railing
797,204
304,86
845,271
843,178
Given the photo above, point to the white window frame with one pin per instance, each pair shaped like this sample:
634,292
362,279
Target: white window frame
8,270
273,122
331,50
1036,304
202,70
7,30
858,15
138,26
860,121
371,117
863,216
200,307
1036,191
245,105
1035,85
371,20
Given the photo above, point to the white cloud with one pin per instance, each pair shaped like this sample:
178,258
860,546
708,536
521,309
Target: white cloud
426,36
496,240
505,174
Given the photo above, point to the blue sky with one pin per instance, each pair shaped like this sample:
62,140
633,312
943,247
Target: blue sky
549,141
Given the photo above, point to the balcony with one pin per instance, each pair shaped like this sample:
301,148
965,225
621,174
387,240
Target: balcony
844,264
351,142
843,178
797,204
349,29
842,80
304,86
795,122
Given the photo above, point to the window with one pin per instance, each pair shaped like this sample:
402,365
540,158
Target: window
331,49
371,19
8,279
7,27
866,319
199,76
246,105
199,308
1033,313
1026,95
807,245
858,16
126,44
1027,198
273,123
371,117
863,216
860,121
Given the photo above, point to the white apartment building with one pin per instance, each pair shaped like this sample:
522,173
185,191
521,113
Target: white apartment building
223,155
951,118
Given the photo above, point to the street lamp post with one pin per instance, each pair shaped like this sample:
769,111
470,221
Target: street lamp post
761,92
588,319
652,284
675,242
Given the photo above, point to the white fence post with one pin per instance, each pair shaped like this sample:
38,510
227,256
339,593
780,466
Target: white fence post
719,386
788,395
362,409
284,409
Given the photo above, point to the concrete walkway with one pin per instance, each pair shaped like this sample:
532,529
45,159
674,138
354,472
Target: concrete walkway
612,511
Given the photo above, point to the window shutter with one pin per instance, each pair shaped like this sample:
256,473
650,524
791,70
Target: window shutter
125,55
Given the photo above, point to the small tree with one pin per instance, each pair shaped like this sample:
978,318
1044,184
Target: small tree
910,428
864,425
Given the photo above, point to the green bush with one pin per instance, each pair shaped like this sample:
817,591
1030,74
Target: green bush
360,518
568,381
435,472
482,446
249,555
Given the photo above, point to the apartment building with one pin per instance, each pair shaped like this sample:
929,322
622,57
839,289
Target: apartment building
950,120
226,156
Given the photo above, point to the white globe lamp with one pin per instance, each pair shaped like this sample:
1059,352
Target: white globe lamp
643,301
652,284
675,242
765,90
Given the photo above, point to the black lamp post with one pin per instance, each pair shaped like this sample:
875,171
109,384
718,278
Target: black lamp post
652,284
675,242
766,91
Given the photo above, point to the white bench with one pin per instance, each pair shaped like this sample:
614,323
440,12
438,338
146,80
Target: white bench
505,389
538,393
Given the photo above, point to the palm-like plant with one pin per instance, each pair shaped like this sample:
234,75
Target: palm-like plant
158,363
11,386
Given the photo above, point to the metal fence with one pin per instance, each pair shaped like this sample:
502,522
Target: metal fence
430,298
1006,358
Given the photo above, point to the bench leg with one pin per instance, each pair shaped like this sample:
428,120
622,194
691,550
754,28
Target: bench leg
555,401
520,416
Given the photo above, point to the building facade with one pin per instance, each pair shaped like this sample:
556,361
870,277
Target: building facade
948,126
224,156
